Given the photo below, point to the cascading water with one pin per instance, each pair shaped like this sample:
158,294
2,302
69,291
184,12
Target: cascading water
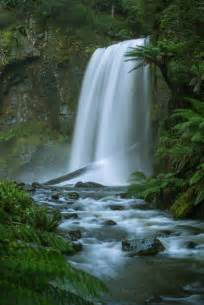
113,127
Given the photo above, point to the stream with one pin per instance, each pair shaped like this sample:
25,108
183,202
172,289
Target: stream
175,276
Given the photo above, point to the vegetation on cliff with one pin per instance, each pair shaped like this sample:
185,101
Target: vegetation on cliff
176,48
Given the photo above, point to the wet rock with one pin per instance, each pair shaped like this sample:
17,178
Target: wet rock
140,206
125,196
74,235
73,195
117,207
77,247
153,300
195,287
28,188
71,216
142,247
191,245
36,185
110,223
165,233
88,185
69,202
20,185
55,196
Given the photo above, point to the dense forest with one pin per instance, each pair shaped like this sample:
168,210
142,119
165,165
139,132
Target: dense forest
61,35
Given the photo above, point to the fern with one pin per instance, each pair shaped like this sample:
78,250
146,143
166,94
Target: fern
33,268
181,149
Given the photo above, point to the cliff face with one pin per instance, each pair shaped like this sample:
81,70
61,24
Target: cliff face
38,101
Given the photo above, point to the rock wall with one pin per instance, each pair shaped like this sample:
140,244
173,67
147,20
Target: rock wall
38,101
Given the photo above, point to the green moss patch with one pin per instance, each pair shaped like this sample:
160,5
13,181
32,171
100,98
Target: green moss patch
183,206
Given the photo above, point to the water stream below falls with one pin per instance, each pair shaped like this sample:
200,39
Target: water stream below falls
175,276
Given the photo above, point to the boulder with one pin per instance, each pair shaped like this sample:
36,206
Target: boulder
28,188
74,235
142,247
71,216
191,245
73,195
116,207
55,196
77,247
36,185
88,185
110,223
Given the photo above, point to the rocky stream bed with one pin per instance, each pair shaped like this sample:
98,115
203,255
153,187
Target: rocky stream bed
143,255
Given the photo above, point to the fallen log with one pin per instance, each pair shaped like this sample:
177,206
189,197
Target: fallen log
90,166
70,176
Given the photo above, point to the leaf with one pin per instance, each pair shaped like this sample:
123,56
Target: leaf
199,198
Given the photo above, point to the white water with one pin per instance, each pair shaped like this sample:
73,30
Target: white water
113,125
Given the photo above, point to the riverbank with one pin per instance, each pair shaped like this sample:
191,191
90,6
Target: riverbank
100,219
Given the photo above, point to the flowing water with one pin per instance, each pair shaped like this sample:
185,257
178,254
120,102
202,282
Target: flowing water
113,135
173,277
112,127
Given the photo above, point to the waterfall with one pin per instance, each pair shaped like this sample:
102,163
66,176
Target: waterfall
112,129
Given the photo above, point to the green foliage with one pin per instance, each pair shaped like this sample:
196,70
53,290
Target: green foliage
33,268
176,42
152,188
183,205
181,149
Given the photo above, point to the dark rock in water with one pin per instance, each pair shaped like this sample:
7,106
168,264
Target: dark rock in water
36,185
153,300
143,247
125,196
77,247
165,233
74,235
20,184
88,185
140,206
191,245
69,202
110,223
71,216
28,188
55,196
116,207
73,195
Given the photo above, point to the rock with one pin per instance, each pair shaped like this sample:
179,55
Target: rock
74,235
73,195
88,185
21,185
28,188
140,206
71,216
153,300
117,207
190,245
55,196
36,185
110,223
69,202
165,233
125,196
142,247
77,247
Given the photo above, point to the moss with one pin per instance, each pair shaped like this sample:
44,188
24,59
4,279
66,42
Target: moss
183,206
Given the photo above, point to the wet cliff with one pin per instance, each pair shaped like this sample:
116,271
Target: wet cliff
40,80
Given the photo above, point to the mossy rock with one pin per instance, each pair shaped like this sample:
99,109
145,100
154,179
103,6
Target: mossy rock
183,206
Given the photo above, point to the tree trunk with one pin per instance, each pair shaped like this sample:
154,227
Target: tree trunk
113,11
